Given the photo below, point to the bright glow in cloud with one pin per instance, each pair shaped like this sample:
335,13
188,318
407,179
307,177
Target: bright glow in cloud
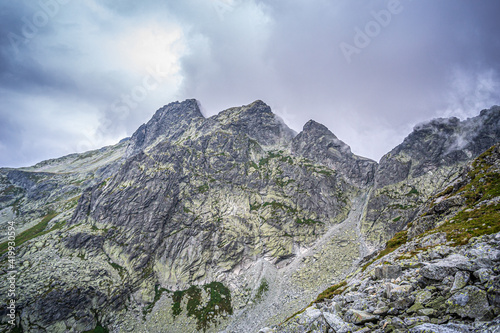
152,46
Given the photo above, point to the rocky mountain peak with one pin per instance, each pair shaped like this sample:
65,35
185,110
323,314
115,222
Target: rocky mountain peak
319,144
314,126
490,112
440,142
170,122
258,122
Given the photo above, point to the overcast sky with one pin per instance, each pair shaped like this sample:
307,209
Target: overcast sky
78,75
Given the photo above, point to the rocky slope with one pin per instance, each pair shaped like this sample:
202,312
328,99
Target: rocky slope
228,223
445,277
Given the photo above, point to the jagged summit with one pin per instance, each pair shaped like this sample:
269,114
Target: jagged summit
313,125
258,122
169,121
442,141
318,143
226,223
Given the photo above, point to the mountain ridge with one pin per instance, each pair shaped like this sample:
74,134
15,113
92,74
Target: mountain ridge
235,212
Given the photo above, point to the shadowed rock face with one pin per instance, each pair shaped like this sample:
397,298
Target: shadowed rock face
170,121
317,143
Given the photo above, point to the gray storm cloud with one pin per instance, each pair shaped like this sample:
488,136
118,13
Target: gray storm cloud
76,76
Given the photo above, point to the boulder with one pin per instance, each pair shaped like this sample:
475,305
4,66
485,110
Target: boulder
359,317
396,292
433,328
387,272
493,290
469,302
446,267
423,296
337,323
410,321
484,274
433,239
461,279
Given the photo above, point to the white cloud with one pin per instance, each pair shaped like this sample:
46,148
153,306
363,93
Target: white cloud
471,91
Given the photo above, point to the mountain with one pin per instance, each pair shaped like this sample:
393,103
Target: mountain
229,223
440,274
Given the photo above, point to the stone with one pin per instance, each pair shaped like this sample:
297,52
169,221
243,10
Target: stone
381,311
364,330
404,302
393,312
469,302
395,292
433,239
446,267
359,317
310,315
387,271
266,330
493,290
426,312
459,327
414,308
337,323
460,281
423,296
491,327
484,275
432,328
410,321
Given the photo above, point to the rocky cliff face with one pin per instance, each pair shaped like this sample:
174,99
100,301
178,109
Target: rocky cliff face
317,143
431,157
227,223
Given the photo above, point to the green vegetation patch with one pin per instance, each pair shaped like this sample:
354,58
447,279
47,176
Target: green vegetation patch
474,220
33,232
98,329
270,155
393,244
336,289
158,292
205,313
399,206
413,191
467,224
255,206
484,186
307,221
278,205
262,290
203,188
